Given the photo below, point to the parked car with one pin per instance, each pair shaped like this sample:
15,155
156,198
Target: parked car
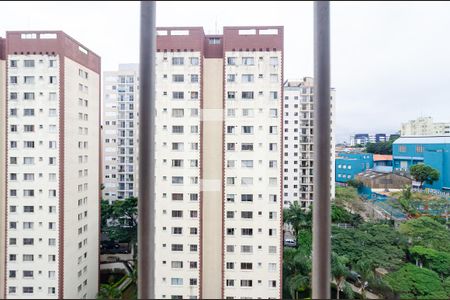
290,243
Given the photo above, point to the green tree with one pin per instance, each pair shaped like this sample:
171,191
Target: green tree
108,291
339,272
377,244
380,148
446,286
424,174
406,192
106,212
297,217
365,270
437,261
411,282
296,273
426,232
341,215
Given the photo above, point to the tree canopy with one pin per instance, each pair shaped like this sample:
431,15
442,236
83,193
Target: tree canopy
412,282
424,174
427,232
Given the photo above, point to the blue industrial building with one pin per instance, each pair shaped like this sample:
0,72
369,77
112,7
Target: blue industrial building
430,150
348,165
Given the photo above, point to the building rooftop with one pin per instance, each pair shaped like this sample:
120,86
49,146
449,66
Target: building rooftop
381,157
423,140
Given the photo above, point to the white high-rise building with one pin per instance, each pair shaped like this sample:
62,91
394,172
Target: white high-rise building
2,157
424,126
298,160
218,163
52,167
120,124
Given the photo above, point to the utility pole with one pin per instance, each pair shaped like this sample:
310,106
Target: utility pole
322,153
146,201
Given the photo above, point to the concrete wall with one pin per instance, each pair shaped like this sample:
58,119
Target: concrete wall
212,164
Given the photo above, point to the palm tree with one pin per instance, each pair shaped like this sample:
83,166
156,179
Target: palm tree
364,269
296,271
108,291
295,216
339,272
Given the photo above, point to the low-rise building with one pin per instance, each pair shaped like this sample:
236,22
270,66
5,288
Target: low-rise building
429,150
348,165
386,181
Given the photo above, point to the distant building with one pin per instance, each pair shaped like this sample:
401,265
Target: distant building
348,165
424,126
364,138
298,137
430,150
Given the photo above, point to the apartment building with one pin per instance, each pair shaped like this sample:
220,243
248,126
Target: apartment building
52,167
425,126
218,163
2,156
120,123
298,160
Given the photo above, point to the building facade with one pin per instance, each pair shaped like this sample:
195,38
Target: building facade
2,156
424,126
348,165
364,138
298,160
429,150
52,167
120,124
218,163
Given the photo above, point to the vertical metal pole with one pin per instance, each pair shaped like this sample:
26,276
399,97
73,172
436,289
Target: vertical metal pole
146,201
322,136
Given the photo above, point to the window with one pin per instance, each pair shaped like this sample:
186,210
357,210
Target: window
231,95
247,147
177,112
248,112
231,112
230,180
231,60
272,249
246,214
52,63
273,283
28,241
178,78
230,265
247,129
177,213
401,148
52,96
177,179
52,112
13,96
230,214
177,129
231,147
193,230
51,290
27,274
246,283
28,63
28,96
52,242
247,78
13,63
247,231
177,197
13,112
27,290
13,79
246,180
52,80
193,248
273,95
230,282
231,77
177,60
248,61
230,197
273,77
177,264
28,128
52,258
273,112
178,95
28,193
28,112
273,147
28,79
247,95
273,61
194,78
246,266
194,61
419,149
177,230
177,146
28,176
247,197
230,231
247,163
230,248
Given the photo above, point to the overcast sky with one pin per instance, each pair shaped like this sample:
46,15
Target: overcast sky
390,61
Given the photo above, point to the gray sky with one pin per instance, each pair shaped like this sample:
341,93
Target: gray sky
390,61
